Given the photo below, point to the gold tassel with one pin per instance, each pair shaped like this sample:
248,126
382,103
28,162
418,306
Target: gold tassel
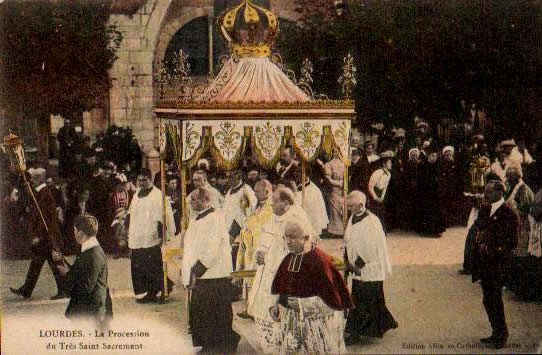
268,164
219,159
202,149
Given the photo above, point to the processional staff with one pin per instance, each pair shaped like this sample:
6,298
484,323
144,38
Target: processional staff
13,147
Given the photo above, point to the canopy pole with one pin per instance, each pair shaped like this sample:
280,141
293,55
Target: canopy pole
345,192
303,177
182,169
184,225
164,220
184,207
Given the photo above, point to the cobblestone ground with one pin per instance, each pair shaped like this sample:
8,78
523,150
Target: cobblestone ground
438,310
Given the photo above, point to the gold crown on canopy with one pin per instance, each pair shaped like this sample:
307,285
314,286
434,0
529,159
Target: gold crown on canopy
249,30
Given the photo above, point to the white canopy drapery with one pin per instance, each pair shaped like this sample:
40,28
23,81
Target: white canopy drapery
251,79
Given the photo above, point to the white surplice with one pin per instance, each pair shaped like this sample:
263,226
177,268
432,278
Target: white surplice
366,239
207,240
314,205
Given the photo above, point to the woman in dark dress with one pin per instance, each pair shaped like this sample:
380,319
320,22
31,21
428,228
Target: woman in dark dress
451,188
409,198
429,218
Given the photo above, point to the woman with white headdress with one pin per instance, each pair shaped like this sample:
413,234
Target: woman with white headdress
450,186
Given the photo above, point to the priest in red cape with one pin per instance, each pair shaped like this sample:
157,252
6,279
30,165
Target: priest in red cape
312,297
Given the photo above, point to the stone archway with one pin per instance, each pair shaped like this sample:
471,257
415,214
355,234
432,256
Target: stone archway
147,34
171,27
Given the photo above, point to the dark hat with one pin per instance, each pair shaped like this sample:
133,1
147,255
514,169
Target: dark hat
508,142
399,133
388,154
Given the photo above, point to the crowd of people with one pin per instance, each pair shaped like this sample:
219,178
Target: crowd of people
97,179
271,221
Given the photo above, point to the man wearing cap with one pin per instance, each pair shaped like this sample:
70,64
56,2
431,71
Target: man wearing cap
497,229
366,257
46,237
378,187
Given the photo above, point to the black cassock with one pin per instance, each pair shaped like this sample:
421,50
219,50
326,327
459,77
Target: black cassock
429,218
211,316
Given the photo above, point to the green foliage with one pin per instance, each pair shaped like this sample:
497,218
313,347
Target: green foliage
424,57
56,55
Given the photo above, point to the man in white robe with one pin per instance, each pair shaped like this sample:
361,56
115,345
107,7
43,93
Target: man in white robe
145,238
199,180
269,254
366,257
206,269
314,205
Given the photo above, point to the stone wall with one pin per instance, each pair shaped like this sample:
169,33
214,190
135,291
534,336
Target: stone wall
131,95
146,35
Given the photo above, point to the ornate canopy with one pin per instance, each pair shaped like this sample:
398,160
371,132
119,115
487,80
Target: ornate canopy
253,101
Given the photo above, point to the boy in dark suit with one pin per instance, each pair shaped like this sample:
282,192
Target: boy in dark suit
86,280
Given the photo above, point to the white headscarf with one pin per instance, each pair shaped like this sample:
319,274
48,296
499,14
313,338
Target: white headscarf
448,148
412,151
